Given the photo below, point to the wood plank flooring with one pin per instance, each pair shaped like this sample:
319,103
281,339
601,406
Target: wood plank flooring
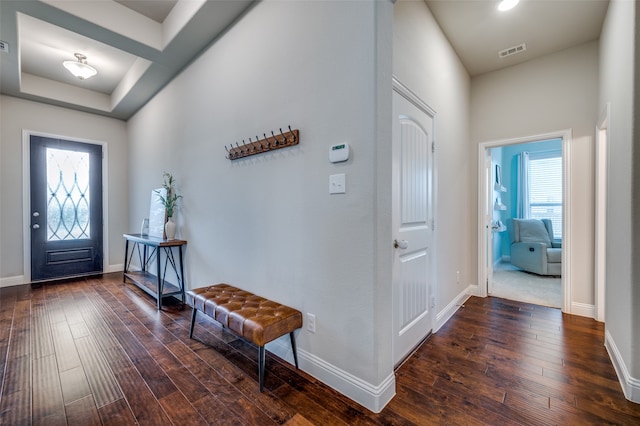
95,351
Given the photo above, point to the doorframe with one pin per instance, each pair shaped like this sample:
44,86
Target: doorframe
602,170
566,136
409,95
26,197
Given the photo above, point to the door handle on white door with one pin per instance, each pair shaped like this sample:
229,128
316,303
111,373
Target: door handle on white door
402,244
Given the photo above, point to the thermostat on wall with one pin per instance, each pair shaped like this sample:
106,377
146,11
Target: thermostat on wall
339,152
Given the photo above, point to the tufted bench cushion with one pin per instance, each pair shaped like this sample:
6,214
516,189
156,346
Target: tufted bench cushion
252,317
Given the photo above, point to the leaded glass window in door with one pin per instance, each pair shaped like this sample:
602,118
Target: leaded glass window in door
68,195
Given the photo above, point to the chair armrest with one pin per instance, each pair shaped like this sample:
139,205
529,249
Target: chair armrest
531,257
525,248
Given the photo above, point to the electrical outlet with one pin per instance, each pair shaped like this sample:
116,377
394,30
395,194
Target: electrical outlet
311,323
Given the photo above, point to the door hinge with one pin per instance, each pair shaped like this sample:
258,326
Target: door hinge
433,146
433,225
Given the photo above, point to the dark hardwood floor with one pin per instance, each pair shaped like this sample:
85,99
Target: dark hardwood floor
96,351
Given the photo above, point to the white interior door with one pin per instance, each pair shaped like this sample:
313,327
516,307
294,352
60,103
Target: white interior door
412,225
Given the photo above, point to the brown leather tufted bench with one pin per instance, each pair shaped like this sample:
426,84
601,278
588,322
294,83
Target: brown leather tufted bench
255,318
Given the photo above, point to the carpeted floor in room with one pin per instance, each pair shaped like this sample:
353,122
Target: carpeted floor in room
510,282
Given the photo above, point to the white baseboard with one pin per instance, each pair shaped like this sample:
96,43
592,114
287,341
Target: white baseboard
370,396
443,316
473,290
583,309
11,281
19,279
113,268
630,385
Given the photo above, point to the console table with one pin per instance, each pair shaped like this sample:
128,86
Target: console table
150,248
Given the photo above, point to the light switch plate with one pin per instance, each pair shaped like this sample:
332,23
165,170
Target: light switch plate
337,184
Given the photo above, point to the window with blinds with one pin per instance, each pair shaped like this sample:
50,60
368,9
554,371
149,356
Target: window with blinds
545,188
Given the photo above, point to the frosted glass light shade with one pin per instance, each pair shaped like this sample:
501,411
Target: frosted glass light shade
80,68
507,5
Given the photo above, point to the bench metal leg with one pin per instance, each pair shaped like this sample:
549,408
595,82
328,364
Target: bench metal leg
261,360
193,322
293,348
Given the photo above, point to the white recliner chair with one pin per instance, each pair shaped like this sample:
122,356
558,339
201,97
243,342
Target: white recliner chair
533,248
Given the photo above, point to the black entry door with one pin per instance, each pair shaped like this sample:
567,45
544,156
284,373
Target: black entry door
66,208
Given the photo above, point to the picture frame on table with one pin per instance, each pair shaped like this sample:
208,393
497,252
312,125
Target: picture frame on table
157,214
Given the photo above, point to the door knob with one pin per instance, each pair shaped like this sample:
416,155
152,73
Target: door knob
36,214
36,226
402,244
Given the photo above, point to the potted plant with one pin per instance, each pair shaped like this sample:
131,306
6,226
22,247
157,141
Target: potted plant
170,201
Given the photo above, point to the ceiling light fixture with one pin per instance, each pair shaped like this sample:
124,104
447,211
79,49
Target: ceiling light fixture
80,68
507,5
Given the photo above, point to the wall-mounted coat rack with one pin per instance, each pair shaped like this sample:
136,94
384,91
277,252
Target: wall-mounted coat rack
265,144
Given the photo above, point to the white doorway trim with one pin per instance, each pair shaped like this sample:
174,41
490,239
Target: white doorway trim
26,198
602,166
483,197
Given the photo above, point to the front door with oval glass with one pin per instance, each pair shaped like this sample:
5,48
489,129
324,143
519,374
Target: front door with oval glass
66,208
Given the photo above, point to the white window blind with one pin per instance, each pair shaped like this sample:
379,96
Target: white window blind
545,189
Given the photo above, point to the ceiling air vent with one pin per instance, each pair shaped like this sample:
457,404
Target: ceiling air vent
512,50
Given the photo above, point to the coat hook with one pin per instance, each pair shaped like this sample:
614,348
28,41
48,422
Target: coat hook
266,139
284,138
294,135
275,138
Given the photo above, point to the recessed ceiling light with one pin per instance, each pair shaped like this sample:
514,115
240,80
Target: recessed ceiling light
507,5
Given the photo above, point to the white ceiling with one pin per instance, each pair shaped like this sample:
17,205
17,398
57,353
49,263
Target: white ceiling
44,46
158,10
138,46
477,30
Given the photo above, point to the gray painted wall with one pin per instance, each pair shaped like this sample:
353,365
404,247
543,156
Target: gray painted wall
419,44
617,82
17,115
552,93
267,223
